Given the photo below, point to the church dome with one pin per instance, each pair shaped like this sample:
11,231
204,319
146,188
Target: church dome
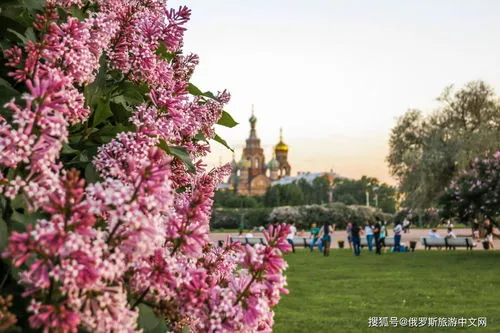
281,146
273,164
244,164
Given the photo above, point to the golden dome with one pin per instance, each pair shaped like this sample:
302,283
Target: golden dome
281,146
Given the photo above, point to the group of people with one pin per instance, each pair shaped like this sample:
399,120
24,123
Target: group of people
321,236
449,234
375,236
375,233
488,232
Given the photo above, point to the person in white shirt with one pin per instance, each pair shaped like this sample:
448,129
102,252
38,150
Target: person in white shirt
433,234
397,238
291,235
406,225
369,237
450,233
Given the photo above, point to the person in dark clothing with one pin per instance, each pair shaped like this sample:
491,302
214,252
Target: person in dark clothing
489,233
355,235
326,238
376,235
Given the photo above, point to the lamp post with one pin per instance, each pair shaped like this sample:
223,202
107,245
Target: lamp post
375,190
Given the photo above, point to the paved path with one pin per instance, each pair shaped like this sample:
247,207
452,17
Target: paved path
414,234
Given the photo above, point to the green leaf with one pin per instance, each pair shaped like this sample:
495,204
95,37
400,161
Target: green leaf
179,152
6,94
200,137
97,90
160,328
78,13
30,34
18,201
26,218
210,94
193,90
121,112
163,53
222,142
21,37
102,112
68,150
147,318
227,120
91,175
4,235
132,94
34,4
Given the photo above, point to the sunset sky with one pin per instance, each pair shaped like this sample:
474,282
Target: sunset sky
336,74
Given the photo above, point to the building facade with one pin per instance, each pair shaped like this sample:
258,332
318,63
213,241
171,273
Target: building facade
251,175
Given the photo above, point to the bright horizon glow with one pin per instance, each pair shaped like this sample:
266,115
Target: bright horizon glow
336,74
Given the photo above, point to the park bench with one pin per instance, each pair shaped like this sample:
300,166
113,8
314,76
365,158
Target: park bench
248,240
389,242
448,243
302,241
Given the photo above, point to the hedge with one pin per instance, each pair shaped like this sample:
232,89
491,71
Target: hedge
337,213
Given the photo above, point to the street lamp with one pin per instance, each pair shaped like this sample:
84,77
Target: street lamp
375,190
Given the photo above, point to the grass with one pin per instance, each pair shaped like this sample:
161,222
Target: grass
339,293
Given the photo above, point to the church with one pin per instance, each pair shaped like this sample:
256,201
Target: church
251,175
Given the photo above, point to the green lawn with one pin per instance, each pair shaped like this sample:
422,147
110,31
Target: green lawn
339,293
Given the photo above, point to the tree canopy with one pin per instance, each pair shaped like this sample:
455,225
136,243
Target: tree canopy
427,151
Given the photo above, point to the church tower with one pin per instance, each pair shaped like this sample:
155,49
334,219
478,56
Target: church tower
253,151
281,151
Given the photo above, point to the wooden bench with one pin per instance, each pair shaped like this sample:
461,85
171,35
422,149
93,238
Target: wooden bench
448,243
248,240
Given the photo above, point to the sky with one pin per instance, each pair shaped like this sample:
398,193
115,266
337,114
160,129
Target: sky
337,74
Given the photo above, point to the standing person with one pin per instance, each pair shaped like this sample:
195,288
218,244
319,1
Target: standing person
383,233
369,236
397,238
475,230
356,238
349,234
314,236
326,238
289,238
406,225
489,233
376,235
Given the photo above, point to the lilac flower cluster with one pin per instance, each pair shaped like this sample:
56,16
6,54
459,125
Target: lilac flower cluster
140,235
475,191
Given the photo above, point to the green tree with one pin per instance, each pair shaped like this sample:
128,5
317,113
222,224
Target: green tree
425,153
272,196
353,192
320,187
291,195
